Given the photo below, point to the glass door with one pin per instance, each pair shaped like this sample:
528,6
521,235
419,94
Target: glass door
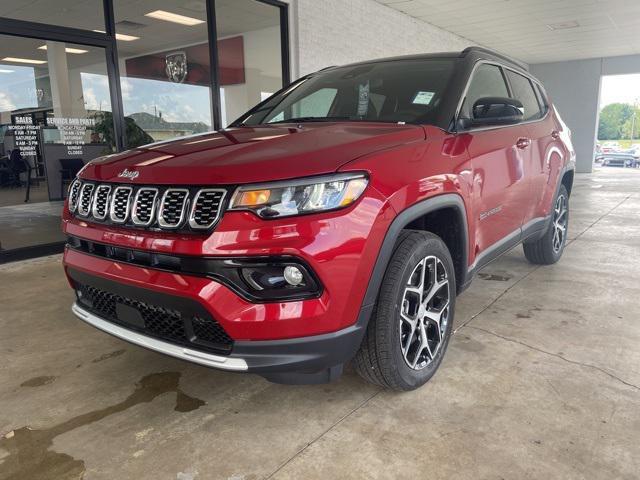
55,116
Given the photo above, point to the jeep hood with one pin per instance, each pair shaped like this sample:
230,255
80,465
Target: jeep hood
251,154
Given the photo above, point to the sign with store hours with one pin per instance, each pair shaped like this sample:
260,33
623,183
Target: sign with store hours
26,135
72,132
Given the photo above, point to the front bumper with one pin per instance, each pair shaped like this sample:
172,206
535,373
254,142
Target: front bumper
309,359
294,341
315,359
207,359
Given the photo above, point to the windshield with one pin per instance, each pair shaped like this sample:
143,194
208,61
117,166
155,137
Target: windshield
408,91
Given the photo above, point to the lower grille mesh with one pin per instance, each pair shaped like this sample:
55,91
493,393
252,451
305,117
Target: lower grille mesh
160,322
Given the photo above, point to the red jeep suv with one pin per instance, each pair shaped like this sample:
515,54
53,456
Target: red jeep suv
335,221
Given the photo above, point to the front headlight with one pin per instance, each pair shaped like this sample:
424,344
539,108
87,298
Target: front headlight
296,197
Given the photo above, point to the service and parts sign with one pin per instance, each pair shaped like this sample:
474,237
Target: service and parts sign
73,132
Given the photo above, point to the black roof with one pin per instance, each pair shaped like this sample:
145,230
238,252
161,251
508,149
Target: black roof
478,52
485,52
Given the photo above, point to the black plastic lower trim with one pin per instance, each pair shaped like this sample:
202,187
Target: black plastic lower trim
225,270
302,360
127,305
303,355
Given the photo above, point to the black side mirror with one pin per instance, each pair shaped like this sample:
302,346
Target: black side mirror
490,111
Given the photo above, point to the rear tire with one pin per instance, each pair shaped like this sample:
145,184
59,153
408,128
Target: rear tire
548,248
410,326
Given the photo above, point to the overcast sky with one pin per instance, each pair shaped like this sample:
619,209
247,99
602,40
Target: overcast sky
620,89
178,102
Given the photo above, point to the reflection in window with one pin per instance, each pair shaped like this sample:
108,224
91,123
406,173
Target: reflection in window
249,54
52,95
165,71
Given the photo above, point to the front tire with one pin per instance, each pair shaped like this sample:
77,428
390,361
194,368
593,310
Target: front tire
548,249
410,327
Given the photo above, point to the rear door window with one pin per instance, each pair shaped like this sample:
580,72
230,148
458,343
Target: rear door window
523,91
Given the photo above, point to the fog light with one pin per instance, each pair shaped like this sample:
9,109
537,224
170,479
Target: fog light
267,279
293,275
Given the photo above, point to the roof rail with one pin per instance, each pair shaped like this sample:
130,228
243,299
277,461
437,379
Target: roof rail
488,51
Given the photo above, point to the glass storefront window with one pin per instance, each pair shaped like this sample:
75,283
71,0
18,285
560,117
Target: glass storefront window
55,116
85,14
165,73
55,96
249,55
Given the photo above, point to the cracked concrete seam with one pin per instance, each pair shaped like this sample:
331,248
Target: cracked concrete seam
573,362
322,434
536,268
557,355
569,242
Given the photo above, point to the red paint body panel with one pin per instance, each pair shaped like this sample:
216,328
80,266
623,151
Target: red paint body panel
548,157
249,155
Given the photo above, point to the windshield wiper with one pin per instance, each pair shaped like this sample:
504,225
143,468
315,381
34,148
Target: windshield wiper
310,119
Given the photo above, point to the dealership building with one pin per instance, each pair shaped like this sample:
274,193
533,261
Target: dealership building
82,79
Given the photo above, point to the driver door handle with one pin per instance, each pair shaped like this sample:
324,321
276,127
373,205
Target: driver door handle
555,134
523,143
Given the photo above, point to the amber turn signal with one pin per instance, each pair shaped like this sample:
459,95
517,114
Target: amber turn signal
253,198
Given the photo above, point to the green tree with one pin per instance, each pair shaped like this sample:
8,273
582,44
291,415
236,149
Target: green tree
135,136
613,119
631,123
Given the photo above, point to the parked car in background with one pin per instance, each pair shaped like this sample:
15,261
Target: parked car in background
597,154
634,150
620,160
610,147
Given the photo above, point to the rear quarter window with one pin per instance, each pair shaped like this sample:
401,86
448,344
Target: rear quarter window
522,90
542,98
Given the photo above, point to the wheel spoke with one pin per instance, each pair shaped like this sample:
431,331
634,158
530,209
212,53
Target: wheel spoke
563,212
424,341
408,341
433,290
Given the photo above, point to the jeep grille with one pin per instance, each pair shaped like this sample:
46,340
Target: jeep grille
169,208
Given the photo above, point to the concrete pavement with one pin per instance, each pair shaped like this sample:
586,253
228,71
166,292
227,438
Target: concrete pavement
541,380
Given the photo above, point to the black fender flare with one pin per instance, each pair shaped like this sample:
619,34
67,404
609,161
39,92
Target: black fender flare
404,218
570,167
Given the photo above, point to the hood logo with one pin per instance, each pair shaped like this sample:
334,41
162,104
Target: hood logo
130,174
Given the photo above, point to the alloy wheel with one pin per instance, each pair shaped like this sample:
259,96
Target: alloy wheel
559,223
424,313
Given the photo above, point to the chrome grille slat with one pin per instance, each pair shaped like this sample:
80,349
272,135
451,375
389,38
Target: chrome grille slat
120,203
144,206
165,208
172,207
101,202
85,200
74,195
206,208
